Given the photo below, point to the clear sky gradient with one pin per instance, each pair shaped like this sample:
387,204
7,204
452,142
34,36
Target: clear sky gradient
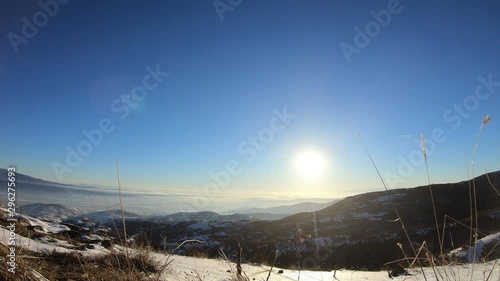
228,77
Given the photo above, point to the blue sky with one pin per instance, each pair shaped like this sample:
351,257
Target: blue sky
227,76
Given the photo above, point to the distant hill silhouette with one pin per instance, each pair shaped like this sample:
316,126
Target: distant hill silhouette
288,209
22,177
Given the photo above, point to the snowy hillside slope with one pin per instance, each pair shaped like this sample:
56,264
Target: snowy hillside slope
49,212
468,253
37,224
104,217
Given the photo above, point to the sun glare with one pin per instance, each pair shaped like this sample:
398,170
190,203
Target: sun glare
310,164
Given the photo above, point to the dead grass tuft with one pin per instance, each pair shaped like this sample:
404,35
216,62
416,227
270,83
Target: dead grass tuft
140,266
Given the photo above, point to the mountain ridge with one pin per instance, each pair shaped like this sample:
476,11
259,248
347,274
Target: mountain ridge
287,209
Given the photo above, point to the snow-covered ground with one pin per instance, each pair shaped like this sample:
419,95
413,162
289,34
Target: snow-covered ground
188,268
44,245
47,227
468,253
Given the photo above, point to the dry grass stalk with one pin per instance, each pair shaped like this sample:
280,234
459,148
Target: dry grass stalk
491,184
393,206
486,121
424,150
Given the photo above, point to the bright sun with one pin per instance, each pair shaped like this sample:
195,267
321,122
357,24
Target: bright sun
310,164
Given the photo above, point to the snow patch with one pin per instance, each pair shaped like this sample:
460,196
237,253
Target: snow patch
387,198
467,253
369,216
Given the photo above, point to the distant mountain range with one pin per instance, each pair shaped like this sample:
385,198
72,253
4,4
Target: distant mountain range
32,190
283,210
27,182
22,178
197,216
